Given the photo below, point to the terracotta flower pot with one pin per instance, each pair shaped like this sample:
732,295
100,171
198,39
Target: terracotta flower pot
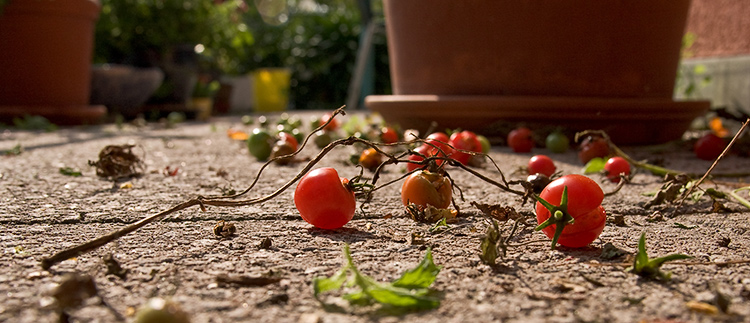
45,59
514,56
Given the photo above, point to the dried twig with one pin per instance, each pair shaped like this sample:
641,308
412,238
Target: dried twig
723,153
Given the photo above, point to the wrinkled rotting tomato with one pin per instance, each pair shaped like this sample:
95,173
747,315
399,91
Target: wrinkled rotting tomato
592,147
427,188
569,211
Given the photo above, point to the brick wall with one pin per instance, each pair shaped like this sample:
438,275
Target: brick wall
722,28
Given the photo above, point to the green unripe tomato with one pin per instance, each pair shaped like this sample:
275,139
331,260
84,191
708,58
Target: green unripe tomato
557,142
259,144
298,135
486,146
247,120
159,310
322,138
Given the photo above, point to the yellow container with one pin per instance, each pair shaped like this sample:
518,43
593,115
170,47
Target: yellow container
271,89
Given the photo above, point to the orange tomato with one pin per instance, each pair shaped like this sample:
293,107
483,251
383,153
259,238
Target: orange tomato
427,188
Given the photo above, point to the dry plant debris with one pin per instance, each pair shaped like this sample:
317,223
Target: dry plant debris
116,162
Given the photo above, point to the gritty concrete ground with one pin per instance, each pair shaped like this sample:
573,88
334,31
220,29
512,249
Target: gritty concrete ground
43,211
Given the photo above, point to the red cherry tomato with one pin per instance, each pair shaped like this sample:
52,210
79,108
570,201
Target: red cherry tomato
584,205
616,166
324,200
592,147
541,164
440,140
464,140
426,188
388,135
520,140
425,150
709,147
331,126
289,139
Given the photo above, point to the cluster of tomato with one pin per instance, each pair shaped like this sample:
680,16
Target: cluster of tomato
264,143
568,208
327,201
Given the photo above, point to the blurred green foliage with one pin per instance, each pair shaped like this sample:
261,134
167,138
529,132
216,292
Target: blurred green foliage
318,41
146,32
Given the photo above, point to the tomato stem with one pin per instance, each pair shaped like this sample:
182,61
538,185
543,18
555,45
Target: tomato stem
559,215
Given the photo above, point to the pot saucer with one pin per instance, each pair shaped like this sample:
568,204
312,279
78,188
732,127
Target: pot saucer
628,121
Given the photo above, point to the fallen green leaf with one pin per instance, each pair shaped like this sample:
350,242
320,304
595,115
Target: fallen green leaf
69,171
594,166
440,225
650,268
715,193
15,151
411,291
488,246
29,122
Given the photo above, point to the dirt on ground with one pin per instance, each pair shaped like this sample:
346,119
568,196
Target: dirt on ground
263,272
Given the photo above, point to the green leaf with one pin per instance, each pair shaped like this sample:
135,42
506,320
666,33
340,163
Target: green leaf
661,260
594,166
69,171
489,244
650,268
439,225
322,285
715,193
403,297
421,276
641,258
410,291
15,151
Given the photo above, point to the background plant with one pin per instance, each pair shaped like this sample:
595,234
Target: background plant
146,32
318,41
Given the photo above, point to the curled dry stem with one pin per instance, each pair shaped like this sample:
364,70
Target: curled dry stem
723,153
623,180
656,170
228,201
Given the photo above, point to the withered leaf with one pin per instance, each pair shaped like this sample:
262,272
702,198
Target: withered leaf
224,229
718,207
497,212
113,267
117,162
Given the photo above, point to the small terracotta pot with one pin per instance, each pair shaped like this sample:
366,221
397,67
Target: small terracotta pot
45,59
512,57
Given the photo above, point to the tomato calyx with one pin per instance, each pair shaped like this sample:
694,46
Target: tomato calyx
358,184
559,215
